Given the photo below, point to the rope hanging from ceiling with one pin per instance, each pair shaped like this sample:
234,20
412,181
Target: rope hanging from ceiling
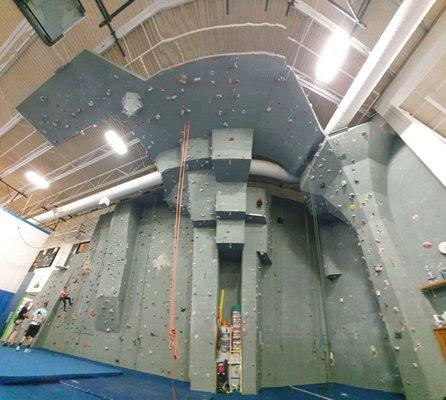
173,338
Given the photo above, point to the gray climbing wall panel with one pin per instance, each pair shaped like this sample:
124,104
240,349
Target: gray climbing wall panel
249,91
421,219
358,338
256,239
142,340
284,336
355,177
231,200
349,178
113,284
203,336
202,197
293,347
56,316
231,154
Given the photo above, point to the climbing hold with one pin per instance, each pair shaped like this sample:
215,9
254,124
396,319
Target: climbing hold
131,103
378,268
427,245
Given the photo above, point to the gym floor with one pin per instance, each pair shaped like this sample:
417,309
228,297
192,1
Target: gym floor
47,375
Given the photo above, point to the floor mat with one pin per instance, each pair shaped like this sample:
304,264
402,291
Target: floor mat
43,366
135,386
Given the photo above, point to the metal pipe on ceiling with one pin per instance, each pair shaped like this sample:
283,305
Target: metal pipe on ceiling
350,13
263,168
397,33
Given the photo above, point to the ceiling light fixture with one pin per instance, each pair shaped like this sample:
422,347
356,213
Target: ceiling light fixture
333,55
116,142
37,180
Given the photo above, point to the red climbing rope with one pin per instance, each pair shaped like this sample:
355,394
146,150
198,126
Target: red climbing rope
174,345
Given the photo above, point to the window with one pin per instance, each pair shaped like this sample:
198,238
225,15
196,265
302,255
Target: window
51,18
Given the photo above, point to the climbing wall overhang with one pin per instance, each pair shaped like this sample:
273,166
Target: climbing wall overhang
254,91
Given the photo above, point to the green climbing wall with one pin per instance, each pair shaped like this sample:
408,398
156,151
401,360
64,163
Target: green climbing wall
359,341
293,315
293,338
141,341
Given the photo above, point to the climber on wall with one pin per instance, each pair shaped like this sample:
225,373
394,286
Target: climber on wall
18,321
64,297
37,321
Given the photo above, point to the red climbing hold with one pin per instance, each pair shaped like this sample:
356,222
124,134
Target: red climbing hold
427,245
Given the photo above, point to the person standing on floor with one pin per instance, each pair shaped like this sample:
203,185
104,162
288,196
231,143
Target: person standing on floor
18,321
64,297
37,321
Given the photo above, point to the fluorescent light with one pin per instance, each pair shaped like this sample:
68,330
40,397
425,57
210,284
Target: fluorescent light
333,55
116,142
37,180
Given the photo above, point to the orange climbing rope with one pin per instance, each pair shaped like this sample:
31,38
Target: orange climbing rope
174,345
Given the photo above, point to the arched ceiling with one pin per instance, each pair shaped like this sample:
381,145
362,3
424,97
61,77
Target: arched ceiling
157,35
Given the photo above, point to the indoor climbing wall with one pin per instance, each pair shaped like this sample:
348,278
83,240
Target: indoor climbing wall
275,278
141,340
293,343
359,342
350,178
57,318
50,294
300,297
112,287
260,109
249,91
421,220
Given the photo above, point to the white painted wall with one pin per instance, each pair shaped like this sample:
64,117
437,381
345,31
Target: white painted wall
20,243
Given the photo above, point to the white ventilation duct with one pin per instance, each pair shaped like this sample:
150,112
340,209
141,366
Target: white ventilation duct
124,189
269,169
401,27
258,167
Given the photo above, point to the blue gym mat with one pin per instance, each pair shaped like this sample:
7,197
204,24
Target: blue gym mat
138,386
130,386
47,375
44,366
